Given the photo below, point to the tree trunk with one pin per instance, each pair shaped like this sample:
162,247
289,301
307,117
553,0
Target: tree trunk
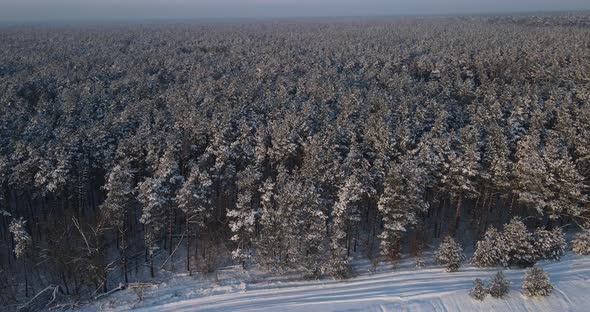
124,254
188,247
455,226
170,244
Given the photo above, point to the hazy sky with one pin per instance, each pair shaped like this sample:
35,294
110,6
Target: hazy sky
39,10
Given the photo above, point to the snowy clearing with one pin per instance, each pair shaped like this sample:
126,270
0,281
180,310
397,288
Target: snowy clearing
407,289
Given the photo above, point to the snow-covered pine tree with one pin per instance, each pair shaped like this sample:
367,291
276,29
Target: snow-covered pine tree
401,201
518,244
498,286
242,219
530,172
462,171
564,183
270,243
344,214
488,251
116,207
496,173
156,196
194,200
536,283
150,193
549,244
312,223
478,292
450,254
581,243
168,171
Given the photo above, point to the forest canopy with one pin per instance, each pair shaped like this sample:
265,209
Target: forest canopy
289,145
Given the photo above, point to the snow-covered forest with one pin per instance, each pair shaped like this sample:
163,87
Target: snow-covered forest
128,151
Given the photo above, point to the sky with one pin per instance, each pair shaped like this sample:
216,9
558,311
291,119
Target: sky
48,10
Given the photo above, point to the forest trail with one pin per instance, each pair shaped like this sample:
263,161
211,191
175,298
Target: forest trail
429,289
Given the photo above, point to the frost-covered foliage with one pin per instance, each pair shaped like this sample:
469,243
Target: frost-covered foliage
518,245
450,254
478,292
22,238
536,283
550,244
489,251
498,286
581,243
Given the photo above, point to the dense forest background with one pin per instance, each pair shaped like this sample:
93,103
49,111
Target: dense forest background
130,150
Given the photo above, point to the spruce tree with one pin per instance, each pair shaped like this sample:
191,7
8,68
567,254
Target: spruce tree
450,254
536,283
550,244
489,250
581,243
518,244
498,286
478,292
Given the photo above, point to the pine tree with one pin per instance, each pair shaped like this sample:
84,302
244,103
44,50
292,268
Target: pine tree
242,219
150,194
550,244
450,254
536,283
399,205
581,243
194,200
565,185
156,196
498,286
489,251
462,171
478,292
344,215
116,207
518,243
314,245
270,246
530,173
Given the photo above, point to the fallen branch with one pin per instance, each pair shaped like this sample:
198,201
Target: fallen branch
110,292
42,300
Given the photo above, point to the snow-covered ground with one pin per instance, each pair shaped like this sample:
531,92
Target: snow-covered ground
405,289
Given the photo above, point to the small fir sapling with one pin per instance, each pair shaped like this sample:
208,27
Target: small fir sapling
581,243
498,286
488,251
478,292
450,254
550,244
536,283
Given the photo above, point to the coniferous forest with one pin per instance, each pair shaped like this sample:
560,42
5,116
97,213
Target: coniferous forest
128,151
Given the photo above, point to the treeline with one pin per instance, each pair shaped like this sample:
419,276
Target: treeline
287,145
